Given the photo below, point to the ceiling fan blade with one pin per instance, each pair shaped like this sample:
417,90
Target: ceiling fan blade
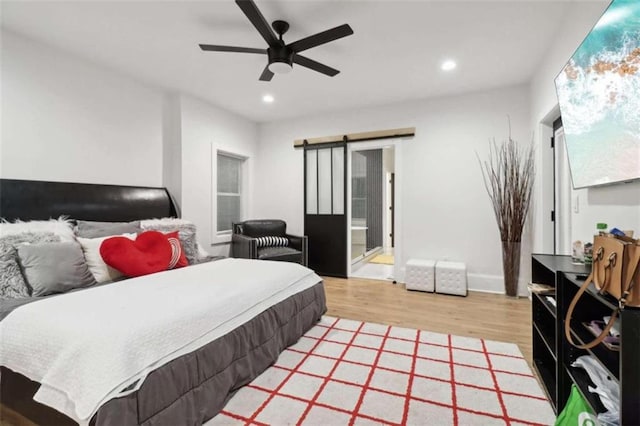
321,38
253,13
316,66
266,74
215,48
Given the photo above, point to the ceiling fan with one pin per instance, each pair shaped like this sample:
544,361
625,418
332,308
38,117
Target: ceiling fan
282,56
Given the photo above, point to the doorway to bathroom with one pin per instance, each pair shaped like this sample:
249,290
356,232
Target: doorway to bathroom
372,213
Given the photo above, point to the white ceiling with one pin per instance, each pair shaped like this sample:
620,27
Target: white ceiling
393,56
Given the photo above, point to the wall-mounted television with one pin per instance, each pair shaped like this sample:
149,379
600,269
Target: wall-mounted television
599,97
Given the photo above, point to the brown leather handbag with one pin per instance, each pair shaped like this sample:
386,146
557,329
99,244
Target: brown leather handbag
615,271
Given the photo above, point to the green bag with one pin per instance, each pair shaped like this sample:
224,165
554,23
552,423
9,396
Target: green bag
577,412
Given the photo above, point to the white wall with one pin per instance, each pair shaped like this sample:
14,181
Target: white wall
446,213
617,205
65,119
172,146
206,129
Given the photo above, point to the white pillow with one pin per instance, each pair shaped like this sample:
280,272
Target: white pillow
100,270
60,227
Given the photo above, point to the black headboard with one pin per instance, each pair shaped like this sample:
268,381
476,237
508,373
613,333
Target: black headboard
38,200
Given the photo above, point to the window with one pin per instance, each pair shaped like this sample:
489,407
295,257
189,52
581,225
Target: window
325,181
229,191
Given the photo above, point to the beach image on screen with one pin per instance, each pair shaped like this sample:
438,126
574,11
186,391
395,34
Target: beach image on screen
599,97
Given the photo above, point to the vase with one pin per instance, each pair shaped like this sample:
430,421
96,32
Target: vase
511,266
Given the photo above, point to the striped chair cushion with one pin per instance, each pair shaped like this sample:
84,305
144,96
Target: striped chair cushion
272,242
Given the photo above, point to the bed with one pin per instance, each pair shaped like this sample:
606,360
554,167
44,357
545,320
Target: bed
185,339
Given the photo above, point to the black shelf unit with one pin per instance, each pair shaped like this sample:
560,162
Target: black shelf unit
553,354
582,381
546,322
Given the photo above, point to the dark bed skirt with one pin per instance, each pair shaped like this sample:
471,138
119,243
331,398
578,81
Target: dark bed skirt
194,387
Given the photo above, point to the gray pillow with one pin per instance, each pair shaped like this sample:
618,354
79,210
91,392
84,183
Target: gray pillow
54,267
88,229
12,283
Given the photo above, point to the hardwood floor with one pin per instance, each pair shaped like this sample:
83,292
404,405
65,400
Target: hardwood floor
482,315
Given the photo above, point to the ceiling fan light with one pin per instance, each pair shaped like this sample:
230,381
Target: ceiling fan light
280,67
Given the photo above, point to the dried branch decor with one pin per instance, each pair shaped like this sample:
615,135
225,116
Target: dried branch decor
508,176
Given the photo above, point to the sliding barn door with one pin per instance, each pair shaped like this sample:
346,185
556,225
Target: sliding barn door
325,219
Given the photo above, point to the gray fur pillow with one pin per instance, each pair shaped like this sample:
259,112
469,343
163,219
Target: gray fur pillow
12,283
186,234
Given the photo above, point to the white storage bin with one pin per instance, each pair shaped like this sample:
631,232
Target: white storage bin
420,275
451,278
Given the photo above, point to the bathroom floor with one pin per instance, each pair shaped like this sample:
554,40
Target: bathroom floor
374,271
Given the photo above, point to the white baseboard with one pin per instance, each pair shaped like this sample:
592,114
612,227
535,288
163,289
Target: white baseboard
493,284
482,283
485,283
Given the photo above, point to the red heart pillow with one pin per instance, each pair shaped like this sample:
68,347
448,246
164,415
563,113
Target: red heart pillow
150,252
178,259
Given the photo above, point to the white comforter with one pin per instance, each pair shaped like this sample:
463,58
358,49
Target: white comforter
85,347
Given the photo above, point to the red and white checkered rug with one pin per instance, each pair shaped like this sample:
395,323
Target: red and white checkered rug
345,372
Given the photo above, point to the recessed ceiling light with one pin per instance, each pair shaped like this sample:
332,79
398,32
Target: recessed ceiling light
448,65
267,99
